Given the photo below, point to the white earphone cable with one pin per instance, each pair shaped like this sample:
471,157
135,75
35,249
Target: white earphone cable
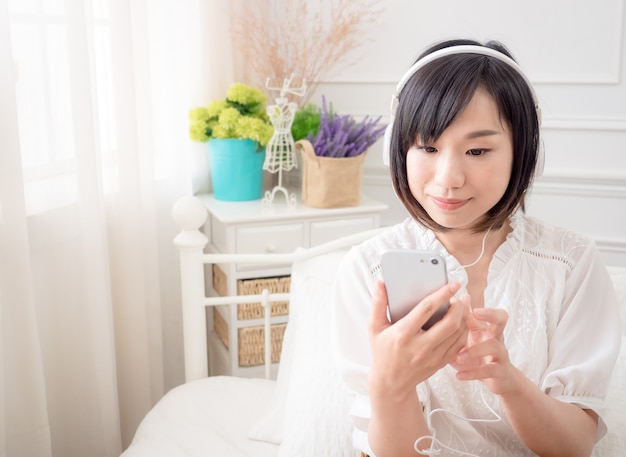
433,436
482,251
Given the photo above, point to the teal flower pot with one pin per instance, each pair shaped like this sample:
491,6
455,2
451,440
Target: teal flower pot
236,169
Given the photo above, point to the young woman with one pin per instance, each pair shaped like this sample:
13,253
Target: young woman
520,363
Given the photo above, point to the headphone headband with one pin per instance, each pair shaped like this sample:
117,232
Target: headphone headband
463,49
448,51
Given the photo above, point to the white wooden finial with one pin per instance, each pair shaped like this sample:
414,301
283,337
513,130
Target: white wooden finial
189,214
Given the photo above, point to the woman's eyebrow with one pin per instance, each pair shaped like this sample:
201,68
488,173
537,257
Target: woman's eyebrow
482,133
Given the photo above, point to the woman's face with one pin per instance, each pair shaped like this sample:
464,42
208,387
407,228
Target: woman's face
462,174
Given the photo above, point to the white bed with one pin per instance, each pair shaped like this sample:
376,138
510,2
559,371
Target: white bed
304,412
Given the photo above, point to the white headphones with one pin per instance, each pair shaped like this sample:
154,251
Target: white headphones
461,49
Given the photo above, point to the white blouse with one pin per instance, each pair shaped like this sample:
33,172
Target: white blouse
563,331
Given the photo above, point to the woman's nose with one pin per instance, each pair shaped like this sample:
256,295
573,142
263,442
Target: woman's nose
449,170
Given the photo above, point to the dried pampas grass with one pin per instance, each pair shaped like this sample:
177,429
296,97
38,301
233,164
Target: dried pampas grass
309,40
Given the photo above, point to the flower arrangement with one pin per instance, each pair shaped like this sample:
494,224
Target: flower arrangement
343,136
240,115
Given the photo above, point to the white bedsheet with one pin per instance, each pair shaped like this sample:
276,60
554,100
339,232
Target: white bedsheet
180,425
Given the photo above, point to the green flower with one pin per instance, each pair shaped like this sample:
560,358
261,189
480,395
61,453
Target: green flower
198,115
198,132
255,129
229,117
215,108
241,115
248,100
198,119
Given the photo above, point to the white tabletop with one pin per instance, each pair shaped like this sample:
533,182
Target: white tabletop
254,210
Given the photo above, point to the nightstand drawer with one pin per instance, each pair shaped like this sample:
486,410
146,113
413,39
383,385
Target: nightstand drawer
269,239
324,231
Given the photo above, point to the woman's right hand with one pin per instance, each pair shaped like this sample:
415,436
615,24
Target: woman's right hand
403,355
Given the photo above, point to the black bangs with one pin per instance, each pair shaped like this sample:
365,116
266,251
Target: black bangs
438,95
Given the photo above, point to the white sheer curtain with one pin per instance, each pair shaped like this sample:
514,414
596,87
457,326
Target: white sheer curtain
94,151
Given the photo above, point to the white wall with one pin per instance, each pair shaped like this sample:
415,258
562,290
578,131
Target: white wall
574,52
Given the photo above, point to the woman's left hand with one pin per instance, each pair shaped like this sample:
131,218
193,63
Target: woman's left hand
485,357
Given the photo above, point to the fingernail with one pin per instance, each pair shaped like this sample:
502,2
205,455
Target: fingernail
480,311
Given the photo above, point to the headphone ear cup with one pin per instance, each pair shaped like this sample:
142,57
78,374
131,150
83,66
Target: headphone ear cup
541,152
541,158
387,144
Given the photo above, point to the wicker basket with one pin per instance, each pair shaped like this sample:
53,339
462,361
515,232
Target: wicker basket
221,327
252,344
251,340
247,311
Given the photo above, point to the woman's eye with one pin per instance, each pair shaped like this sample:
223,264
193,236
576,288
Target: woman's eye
477,152
429,149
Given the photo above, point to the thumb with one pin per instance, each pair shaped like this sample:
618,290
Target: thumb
378,317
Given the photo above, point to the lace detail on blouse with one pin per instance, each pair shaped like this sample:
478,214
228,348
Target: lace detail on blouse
545,256
375,269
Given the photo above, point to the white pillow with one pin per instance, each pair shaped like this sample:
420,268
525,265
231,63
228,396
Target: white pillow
309,411
317,406
270,426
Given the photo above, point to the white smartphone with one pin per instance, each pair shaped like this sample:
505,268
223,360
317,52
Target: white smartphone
409,277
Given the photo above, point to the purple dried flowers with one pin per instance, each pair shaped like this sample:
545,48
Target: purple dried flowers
343,136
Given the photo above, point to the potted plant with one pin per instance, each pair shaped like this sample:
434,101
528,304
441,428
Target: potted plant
237,130
333,155
306,122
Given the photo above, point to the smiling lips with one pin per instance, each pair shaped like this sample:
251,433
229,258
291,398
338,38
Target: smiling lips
447,203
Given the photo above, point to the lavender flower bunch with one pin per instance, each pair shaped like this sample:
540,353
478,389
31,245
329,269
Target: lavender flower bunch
343,136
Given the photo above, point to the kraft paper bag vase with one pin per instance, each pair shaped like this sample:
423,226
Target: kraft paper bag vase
330,182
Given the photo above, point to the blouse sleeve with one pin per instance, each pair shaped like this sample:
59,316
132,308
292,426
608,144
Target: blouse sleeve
585,344
352,295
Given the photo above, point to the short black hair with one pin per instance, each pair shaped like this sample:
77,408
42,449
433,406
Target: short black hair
438,93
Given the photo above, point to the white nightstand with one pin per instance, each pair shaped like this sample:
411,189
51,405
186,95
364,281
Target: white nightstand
253,228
